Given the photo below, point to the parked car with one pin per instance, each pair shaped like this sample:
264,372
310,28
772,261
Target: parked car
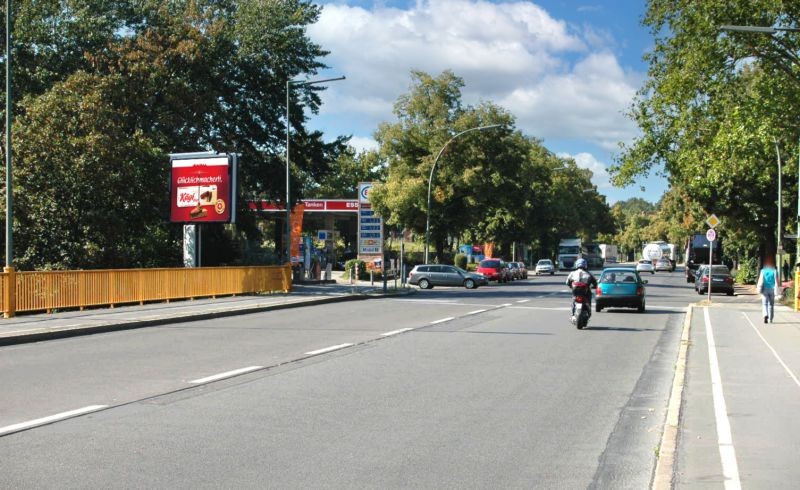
494,270
698,273
544,266
664,264
429,275
645,266
516,272
620,287
721,280
524,269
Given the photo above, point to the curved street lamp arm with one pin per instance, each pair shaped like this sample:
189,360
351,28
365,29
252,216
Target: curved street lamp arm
430,179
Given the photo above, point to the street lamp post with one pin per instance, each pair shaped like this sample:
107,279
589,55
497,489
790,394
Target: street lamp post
794,59
9,196
430,180
780,205
289,84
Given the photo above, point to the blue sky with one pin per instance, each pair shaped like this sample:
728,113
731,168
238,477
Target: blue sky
566,70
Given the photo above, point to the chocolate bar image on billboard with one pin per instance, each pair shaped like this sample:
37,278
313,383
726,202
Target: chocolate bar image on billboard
198,212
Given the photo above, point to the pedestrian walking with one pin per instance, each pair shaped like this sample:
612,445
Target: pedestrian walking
786,270
768,288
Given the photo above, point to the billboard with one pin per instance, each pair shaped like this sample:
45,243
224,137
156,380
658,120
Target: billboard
202,189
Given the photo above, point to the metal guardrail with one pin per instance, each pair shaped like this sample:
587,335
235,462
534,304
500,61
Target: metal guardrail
50,290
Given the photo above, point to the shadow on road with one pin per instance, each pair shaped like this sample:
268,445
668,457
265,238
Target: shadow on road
624,329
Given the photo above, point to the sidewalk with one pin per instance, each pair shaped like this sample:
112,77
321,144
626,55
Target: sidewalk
739,424
41,326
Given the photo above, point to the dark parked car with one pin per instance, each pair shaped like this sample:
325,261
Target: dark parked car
515,270
621,287
698,273
524,269
721,280
494,270
429,275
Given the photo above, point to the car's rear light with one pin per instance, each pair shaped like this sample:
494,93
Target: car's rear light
639,291
729,280
704,279
599,291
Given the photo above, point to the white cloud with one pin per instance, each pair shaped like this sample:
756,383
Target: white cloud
362,144
600,175
553,78
585,103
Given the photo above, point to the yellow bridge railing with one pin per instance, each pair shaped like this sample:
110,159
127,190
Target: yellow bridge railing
50,290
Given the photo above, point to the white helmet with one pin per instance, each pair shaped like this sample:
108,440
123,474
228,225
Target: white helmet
581,264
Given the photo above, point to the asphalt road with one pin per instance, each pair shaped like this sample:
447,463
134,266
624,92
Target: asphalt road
490,388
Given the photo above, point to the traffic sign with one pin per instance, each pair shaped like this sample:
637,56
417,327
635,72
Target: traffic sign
712,221
711,235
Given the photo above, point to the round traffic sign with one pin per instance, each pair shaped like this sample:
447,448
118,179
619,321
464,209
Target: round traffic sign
711,235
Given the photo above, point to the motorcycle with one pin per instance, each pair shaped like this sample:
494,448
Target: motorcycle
580,298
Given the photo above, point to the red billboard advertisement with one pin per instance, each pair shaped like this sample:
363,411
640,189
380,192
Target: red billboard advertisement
201,190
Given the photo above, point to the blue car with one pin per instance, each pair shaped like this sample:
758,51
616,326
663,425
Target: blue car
620,287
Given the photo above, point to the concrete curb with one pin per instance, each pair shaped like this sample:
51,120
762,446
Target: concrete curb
665,462
66,332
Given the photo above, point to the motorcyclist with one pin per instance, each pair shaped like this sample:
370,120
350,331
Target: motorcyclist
582,274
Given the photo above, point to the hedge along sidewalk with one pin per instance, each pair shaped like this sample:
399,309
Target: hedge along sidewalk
38,327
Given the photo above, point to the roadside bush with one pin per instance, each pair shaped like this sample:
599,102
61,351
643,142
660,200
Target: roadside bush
787,298
363,275
748,271
461,261
472,267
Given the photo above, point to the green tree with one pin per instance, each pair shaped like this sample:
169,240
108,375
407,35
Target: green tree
350,168
167,77
712,108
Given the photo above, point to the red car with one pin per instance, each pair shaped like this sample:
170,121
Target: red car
494,270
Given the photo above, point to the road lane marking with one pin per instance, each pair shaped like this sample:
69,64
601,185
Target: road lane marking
395,332
443,320
227,374
475,312
327,349
523,301
504,304
727,453
774,352
49,419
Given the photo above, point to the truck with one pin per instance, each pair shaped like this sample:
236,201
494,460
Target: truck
569,250
697,251
653,251
609,253
593,256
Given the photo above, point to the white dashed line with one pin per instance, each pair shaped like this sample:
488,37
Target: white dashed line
395,332
50,419
475,312
327,349
523,301
727,453
505,304
443,320
774,352
228,374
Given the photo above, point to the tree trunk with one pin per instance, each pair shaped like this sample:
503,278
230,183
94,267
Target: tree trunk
439,251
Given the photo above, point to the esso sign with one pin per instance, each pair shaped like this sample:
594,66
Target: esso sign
363,192
653,251
711,235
